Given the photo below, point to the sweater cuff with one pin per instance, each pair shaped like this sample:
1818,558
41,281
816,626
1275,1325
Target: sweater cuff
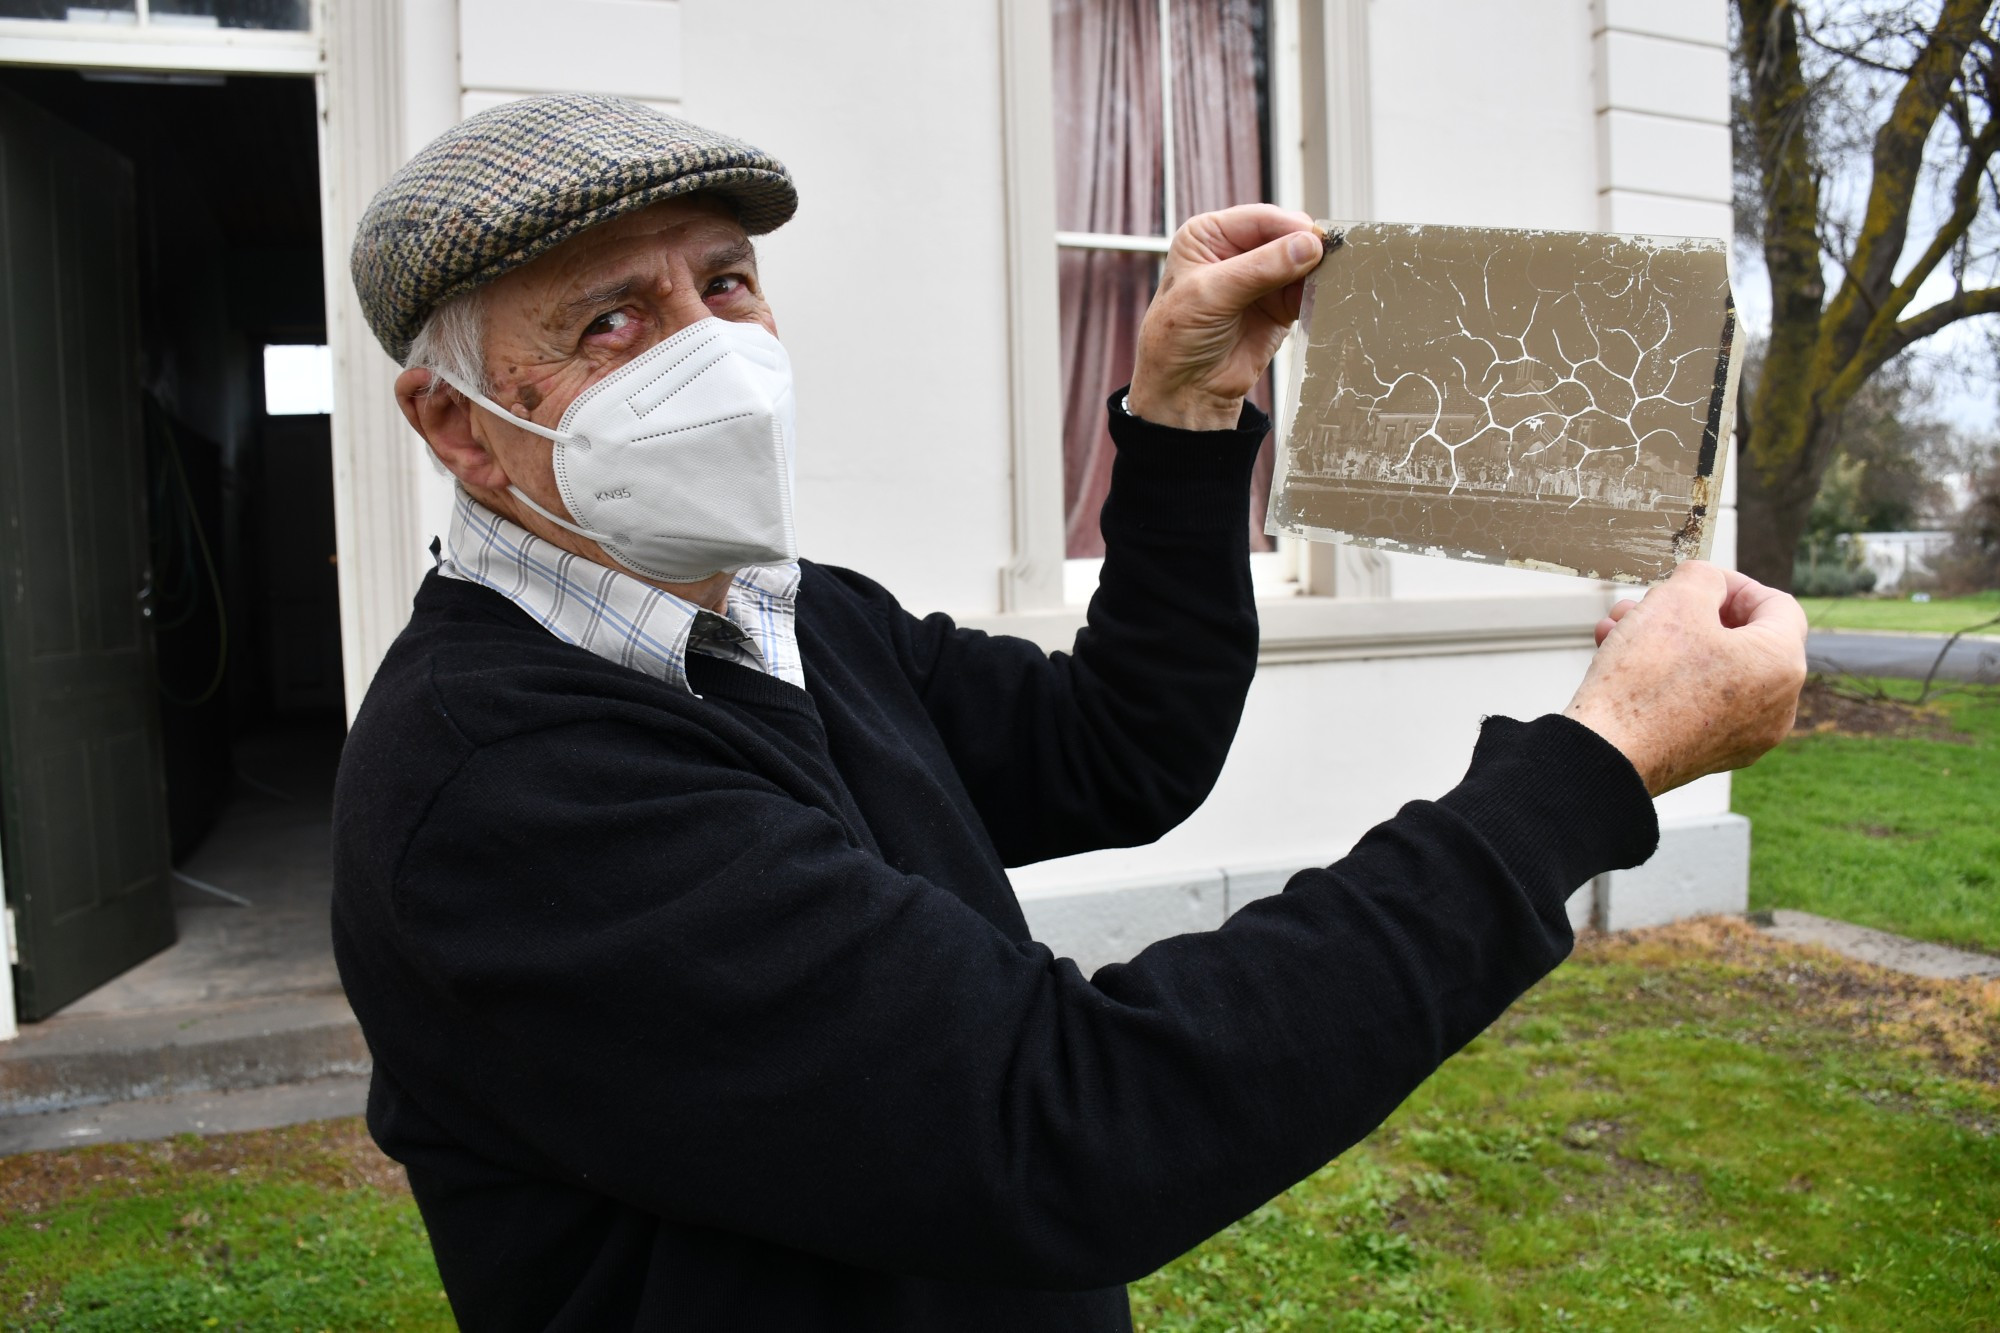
1183,480
1558,802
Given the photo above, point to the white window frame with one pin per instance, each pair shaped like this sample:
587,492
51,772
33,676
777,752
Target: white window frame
1041,577
167,47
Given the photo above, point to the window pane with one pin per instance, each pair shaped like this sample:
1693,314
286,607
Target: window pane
1109,175
1104,295
101,11
280,15
1110,179
1221,117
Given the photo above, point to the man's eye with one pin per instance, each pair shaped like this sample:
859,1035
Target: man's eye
608,323
726,285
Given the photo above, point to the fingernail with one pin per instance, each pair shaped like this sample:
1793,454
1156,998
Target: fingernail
1304,246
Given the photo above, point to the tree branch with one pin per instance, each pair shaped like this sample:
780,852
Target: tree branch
1897,165
1895,338
1965,208
1964,305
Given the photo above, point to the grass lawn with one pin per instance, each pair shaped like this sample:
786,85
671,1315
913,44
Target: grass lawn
1897,831
301,1228
1940,615
1687,1129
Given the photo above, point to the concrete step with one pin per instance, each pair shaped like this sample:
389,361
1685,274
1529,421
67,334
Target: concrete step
88,1059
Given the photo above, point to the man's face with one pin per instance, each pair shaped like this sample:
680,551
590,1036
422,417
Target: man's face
559,324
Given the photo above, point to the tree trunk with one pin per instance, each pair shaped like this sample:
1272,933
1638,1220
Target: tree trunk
1771,511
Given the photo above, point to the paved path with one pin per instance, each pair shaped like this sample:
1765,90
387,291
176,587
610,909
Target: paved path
191,1112
1907,656
1896,952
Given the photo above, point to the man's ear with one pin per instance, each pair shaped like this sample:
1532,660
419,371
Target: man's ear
443,416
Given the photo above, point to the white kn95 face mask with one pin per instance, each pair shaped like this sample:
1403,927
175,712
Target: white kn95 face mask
679,463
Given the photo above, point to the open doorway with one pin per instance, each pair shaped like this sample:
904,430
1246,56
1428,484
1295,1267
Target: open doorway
239,514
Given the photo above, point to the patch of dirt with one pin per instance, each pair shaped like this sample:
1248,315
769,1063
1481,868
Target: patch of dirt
1826,708
336,1154
1955,1025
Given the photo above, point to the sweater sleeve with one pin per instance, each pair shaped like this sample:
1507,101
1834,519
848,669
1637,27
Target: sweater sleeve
711,1005
1116,742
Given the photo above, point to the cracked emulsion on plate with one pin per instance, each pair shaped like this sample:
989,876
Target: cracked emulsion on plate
1534,398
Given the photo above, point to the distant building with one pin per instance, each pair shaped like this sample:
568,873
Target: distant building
1895,556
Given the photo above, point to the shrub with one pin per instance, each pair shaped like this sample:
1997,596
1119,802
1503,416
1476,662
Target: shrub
1831,579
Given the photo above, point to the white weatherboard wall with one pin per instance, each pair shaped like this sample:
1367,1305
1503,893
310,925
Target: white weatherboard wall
890,286
631,48
1661,97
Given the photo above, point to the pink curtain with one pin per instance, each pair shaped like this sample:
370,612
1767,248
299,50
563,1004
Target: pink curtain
1109,178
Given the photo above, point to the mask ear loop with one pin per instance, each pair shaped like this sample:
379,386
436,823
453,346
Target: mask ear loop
575,441
580,441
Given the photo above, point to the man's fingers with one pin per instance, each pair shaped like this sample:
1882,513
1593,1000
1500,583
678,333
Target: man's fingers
1612,617
1750,602
1697,580
1210,238
1239,283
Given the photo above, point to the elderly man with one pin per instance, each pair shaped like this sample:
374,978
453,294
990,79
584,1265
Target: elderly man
670,869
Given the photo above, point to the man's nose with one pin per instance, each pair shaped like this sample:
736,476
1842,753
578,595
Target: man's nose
684,305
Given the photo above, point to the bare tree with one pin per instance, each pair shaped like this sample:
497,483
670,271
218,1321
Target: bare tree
1834,194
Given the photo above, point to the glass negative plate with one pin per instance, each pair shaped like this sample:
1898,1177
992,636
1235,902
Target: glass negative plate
1551,400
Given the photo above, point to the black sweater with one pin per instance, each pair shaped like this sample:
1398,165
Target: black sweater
718,1012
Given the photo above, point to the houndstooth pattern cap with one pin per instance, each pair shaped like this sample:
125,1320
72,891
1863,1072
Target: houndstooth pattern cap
521,178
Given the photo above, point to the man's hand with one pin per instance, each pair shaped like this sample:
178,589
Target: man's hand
1702,676
1231,288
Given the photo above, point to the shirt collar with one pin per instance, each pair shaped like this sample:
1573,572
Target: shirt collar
619,617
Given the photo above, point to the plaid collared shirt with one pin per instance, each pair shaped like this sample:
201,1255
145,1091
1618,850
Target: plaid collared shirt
618,617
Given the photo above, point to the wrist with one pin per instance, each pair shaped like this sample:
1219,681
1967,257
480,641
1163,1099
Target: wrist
1628,740
1190,409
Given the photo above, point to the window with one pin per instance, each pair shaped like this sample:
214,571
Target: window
298,380
270,15
1147,133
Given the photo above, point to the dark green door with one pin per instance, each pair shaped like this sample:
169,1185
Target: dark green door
83,828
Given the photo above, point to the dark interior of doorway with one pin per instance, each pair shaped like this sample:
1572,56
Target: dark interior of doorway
240,502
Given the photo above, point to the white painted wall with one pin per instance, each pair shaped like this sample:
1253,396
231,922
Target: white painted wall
890,285
1483,113
1464,134
1329,749
628,47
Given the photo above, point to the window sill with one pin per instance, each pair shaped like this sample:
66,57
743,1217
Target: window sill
1332,629
162,47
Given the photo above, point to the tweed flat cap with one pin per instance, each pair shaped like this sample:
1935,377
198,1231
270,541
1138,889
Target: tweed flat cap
521,178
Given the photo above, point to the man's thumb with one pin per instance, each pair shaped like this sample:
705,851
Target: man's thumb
1249,277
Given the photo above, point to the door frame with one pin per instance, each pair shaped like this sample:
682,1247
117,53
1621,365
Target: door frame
9,1027
383,491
